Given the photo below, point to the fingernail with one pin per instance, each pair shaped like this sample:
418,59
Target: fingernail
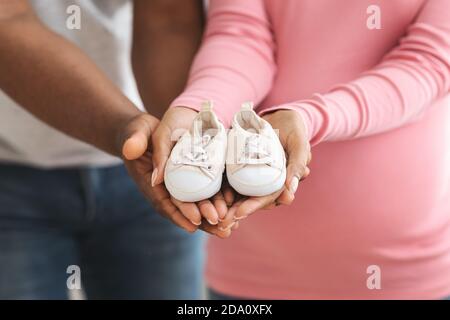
228,227
294,185
212,222
240,218
195,223
154,175
189,229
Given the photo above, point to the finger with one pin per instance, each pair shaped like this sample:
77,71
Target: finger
298,156
188,210
253,204
223,234
135,146
235,226
309,157
228,195
162,146
306,174
270,206
175,215
208,211
160,198
229,219
134,140
220,205
181,221
285,198
140,170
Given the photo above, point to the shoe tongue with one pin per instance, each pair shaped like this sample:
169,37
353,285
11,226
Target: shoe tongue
251,121
205,140
198,135
206,116
196,130
198,127
247,115
244,133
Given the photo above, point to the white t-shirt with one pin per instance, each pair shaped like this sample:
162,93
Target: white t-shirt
105,36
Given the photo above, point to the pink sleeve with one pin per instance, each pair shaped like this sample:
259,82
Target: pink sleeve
397,91
235,62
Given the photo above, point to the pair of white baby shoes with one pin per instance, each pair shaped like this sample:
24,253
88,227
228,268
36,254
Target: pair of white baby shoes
252,153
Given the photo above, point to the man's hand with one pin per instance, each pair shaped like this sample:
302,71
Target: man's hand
293,137
146,161
134,140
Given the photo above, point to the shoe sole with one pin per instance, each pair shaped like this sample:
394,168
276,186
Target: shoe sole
258,190
186,196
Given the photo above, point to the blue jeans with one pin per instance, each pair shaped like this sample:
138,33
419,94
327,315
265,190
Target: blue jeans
97,220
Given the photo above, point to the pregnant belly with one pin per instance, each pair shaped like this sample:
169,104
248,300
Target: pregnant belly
367,192
388,186
382,200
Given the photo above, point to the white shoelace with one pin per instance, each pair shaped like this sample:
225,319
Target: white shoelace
256,151
195,153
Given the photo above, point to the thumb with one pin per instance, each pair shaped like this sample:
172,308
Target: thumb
298,154
136,135
162,146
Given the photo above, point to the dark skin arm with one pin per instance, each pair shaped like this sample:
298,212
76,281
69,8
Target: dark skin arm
56,82
167,34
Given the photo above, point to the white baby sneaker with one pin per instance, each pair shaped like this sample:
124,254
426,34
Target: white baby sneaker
197,161
256,163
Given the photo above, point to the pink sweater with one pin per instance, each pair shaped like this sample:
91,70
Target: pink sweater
377,105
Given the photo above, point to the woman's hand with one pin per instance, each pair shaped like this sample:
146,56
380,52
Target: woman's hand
205,214
293,137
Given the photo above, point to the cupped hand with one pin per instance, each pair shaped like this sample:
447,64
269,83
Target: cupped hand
134,144
205,214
